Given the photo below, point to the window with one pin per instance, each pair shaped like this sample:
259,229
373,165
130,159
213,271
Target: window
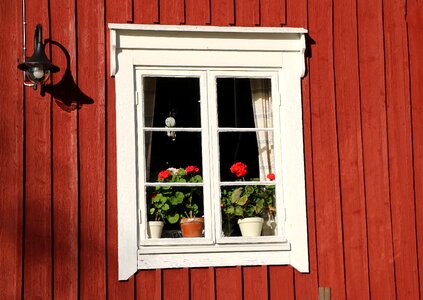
209,97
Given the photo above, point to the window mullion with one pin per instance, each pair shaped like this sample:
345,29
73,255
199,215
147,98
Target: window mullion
214,152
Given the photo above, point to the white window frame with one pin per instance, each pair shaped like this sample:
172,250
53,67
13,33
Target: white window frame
213,50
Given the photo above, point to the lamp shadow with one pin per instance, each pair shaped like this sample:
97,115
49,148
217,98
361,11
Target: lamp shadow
68,96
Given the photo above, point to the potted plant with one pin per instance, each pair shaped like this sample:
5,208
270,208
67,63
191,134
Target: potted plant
246,204
191,224
179,203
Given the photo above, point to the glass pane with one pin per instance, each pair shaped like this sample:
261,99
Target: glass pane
171,204
254,149
248,201
175,151
244,102
178,98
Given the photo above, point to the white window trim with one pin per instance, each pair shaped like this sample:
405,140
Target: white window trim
242,48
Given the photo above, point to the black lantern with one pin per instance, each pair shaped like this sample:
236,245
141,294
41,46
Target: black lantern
38,67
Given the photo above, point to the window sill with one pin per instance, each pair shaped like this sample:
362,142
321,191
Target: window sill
222,256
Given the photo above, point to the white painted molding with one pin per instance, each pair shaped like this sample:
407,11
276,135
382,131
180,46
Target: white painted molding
113,55
157,40
144,49
197,29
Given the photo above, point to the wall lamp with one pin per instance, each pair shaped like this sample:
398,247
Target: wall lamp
38,67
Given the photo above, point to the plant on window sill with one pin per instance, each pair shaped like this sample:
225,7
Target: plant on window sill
178,203
246,204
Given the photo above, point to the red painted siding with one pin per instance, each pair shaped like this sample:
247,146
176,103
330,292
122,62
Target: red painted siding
363,138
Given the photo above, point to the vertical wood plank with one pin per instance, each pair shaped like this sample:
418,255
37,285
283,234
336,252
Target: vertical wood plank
306,284
149,284
375,149
255,281
273,12
91,130
115,289
11,152
247,12
38,209
175,284
202,283
222,12
415,44
400,150
65,160
325,150
172,12
350,150
197,12
281,283
224,290
145,11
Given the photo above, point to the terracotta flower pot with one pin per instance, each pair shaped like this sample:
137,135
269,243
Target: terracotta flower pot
192,227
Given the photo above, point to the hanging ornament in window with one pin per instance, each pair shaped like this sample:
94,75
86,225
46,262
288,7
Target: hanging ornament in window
170,122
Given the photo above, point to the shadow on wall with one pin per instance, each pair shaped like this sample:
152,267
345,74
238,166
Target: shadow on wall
66,92
308,51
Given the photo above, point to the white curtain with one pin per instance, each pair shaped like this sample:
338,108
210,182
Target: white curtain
149,84
262,108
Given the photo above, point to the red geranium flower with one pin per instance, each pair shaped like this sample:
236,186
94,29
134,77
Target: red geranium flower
239,169
271,176
164,174
192,169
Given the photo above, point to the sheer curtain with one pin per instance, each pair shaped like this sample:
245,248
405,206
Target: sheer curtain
149,103
262,108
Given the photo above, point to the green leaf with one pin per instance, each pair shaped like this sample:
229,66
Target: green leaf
259,206
173,218
241,201
230,210
236,194
238,211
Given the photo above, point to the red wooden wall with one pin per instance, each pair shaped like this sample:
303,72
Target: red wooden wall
363,135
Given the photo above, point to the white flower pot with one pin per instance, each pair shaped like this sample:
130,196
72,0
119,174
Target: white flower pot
154,229
251,226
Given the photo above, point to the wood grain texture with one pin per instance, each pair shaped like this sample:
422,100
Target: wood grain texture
172,12
145,11
11,153
149,284
175,284
232,291
255,281
272,12
202,283
400,149
360,189
329,227
375,149
38,259
281,282
91,132
350,150
247,12
415,44
306,284
65,155
198,12
222,12
115,289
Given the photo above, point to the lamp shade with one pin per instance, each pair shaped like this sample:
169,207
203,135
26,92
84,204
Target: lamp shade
38,67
